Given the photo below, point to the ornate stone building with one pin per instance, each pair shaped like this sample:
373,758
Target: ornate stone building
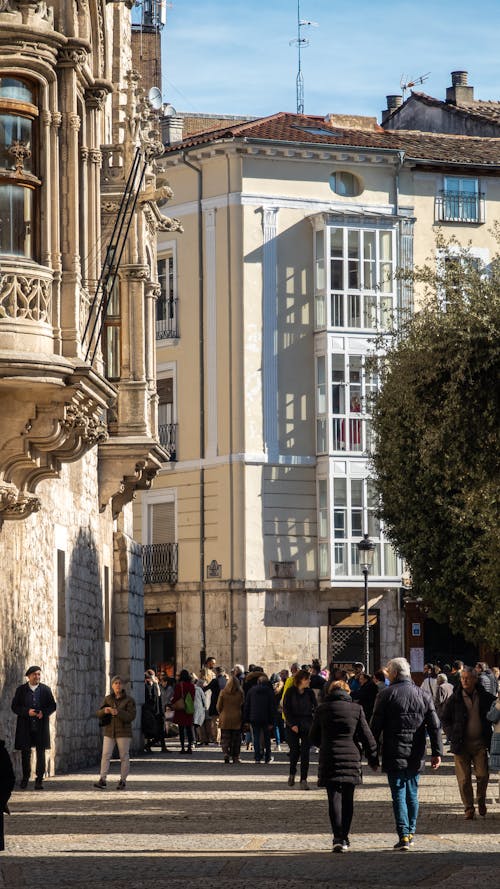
78,407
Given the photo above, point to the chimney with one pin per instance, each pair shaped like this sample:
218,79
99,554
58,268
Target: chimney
393,102
172,129
460,93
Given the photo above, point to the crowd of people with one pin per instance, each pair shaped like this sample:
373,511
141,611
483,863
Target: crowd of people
344,714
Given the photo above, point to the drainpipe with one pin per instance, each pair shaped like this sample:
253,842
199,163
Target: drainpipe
230,399
201,347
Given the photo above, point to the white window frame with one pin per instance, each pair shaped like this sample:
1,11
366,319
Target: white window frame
168,251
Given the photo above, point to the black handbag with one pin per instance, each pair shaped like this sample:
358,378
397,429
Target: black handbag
105,720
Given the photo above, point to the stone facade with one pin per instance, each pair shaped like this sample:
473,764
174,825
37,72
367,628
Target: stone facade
78,418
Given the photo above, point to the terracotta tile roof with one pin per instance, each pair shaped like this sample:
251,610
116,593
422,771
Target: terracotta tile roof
478,109
284,127
200,123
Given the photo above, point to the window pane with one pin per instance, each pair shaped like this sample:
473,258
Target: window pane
321,436
320,260
337,274
337,310
369,260
16,220
112,352
10,88
336,242
340,491
15,143
320,311
391,560
340,552
339,529
353,244
353,310
386,245
357,523
357,492
370,311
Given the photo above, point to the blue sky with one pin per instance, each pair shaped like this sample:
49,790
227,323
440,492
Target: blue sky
234,57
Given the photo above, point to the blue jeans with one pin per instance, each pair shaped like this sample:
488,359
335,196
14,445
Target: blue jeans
257,728
404,790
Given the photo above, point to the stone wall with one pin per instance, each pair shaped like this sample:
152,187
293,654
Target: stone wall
74,658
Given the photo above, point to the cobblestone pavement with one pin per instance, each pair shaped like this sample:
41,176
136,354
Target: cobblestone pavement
196,822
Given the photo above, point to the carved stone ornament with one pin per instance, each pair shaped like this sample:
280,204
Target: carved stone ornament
20,151
72,56
27,296
37,8
169,224
59,431
110,207
127,466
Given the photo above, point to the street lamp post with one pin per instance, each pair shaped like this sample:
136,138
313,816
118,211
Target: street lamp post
366,550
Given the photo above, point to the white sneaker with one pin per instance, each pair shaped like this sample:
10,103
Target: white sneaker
278,748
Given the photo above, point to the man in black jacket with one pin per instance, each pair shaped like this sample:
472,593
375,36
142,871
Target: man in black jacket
402,714
469,733
33,704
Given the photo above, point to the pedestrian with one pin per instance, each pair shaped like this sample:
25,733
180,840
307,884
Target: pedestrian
7,782
182,704
429,683
318,682
166,690
299,704
366,694
493,716
338,728
200,708
357,669
116,713
279,727
487,678
260,713
151,717
454,675
443,692
294,669
222,677
211,720
465,722
230,710
33,705
402,714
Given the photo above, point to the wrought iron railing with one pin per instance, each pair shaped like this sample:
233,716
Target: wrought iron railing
159,562
166,326
167,433
459,207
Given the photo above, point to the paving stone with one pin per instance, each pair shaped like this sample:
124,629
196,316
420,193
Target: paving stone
204,824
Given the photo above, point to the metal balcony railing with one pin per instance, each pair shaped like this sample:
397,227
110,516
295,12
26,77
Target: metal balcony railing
159,562
166,321
167,433
459,207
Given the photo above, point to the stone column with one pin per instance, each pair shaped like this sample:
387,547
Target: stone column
270,333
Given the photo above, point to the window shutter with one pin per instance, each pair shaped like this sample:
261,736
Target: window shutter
163,522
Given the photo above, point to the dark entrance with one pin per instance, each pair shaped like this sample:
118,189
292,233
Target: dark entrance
443,647
160,642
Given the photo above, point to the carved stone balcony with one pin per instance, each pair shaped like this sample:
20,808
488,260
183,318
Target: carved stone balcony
52,413
127,464
25,306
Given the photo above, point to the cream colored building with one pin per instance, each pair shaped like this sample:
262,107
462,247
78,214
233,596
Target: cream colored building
78,408
294,227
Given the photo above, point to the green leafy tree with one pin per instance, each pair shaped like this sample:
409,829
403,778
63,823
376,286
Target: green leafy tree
437,456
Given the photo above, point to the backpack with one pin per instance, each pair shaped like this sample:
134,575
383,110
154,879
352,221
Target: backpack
188,704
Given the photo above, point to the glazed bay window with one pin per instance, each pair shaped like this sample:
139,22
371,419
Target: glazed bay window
355,289
166,306
111,339
460,201
343,407
354,512
18,182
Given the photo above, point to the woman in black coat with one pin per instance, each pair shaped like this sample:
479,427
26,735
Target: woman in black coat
339,728
299,704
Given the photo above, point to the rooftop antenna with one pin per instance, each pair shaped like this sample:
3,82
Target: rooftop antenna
406,84
301,43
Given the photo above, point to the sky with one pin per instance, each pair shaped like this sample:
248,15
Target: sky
234,57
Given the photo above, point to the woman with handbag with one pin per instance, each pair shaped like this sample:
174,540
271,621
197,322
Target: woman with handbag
116,716
182,704
230,710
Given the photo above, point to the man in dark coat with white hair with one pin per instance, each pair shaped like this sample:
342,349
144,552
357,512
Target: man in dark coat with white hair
33,704
402,714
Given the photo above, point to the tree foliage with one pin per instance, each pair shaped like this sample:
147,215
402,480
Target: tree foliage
437,425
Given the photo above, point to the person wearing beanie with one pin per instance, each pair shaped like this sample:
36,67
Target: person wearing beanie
116,715
33,704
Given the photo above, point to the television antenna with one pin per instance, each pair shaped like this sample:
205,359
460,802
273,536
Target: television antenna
407,84
301,43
